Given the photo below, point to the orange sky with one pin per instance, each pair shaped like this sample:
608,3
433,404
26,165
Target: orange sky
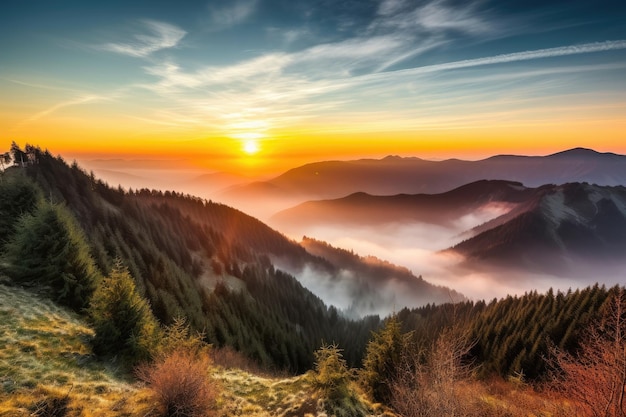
80,139
432,79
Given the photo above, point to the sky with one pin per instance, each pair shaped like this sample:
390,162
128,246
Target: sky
260,86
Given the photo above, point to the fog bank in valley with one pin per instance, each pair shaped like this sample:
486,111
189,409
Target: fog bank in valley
422,249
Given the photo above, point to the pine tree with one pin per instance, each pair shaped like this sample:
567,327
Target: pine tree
18,196
332,375
50,250
382,357
122,319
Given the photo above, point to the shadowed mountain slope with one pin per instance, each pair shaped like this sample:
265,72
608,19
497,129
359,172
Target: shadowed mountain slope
443,209
395,175
558,230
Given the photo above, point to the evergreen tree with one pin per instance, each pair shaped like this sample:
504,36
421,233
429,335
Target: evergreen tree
332,375
382,357
49,249
18,196
122,319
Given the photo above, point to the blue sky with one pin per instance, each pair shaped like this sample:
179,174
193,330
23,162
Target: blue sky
284,73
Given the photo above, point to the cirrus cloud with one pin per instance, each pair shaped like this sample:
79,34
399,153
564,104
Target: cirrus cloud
154,36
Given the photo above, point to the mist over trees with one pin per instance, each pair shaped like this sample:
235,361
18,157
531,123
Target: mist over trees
188,257
134,263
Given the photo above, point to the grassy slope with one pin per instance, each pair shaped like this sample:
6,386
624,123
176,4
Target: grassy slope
45,354
250,395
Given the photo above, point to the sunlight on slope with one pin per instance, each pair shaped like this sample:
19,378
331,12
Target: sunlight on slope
250,395
45,354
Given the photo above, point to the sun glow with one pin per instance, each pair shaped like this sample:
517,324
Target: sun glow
251,147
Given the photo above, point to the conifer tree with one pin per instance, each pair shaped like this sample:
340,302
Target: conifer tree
594,378
382,358
122,319
49,249
18,196
331,371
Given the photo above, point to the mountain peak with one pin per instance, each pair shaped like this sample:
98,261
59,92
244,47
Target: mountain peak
580,153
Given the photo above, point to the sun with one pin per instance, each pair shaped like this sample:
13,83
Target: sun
251,147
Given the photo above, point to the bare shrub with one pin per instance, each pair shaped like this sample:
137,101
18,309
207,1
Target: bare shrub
594,378
430,387
181,383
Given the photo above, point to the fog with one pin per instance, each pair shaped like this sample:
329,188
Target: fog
421,248
355,298
358,295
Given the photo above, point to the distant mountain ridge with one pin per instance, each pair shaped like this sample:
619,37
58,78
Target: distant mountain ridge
556,229
561,228
398,175
442,209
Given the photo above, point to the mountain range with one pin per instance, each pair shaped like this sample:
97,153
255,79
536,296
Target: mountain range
247,286
563,230
164,234
397,175
443,209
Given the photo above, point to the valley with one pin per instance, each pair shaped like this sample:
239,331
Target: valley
266,305
269,208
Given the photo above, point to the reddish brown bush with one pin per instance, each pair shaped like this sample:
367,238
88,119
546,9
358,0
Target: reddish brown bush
594,378
181,383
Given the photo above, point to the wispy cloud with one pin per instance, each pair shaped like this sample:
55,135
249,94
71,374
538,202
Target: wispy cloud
154,37
232,14
516,56
431,18
82,99
72,102
281,88
390,7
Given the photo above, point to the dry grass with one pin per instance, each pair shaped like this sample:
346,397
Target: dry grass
228,358
45,357
245,394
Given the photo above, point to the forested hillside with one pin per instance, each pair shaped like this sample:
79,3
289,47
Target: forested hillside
513,335
189,258
103,252
389,284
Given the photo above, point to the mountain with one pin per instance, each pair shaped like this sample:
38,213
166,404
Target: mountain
395,175
501,229
571,229
163,175
232,276
443,209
